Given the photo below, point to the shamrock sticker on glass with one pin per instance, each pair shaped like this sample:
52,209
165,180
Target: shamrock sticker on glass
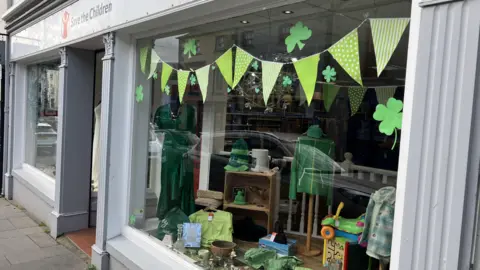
257,90
139,93
255,65
190,47
390,117
155,75
298,33
229,89
193,80
329,74
286,81
132,219
167,89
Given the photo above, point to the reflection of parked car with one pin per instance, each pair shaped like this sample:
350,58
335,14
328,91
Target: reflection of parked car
46,138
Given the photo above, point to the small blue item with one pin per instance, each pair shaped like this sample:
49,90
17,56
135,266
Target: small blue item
192,234
287,250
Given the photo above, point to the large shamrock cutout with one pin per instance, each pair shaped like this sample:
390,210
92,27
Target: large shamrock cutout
298,33
190,47
139,93
390,117
329,74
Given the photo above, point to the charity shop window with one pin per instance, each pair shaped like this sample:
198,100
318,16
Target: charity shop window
42,116
277,146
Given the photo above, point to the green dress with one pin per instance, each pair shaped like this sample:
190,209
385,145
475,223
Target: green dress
177,166
312,167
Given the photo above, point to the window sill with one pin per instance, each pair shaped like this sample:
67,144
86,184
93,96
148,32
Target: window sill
36,181
136,250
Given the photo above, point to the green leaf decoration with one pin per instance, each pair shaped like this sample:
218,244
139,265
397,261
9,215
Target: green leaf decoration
257,90
224,63
255,65
286,81
167,89
298,33
390,117
213,67
203,75
193,80
329,74
242,62
307,69
155,75
154,60
166,72
139,93
143,58
229,89
190,47
132,219
182,83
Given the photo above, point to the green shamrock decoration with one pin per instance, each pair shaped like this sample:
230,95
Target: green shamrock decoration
229,89
139,93
213,67
286,81
390,117
329,74
298,33
190,47
155,75
257,90
167,89
132,219
193,80
255,65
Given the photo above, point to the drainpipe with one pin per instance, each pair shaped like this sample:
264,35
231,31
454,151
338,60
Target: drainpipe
8,123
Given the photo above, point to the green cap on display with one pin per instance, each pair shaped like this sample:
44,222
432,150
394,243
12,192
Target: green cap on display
315,132
238,157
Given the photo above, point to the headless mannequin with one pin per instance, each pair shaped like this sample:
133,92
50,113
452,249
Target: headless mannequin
96,149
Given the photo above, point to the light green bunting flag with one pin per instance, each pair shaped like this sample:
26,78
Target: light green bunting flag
329,93
345,52
143,58
307,69
166,72
203,75
270,71
386,35
355,95
384,93
242,62
224,63
154,59
182,76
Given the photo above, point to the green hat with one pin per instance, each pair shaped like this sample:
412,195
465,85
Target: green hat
238,157
315,132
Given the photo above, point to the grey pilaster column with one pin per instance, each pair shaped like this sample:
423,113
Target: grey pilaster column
74,141
99,255
9,120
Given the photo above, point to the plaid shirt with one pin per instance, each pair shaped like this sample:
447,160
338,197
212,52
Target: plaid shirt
379,224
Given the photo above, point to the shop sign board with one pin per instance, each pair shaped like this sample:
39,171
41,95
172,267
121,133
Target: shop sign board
85,18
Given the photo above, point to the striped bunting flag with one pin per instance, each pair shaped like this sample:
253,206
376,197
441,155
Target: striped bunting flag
386,35
384,93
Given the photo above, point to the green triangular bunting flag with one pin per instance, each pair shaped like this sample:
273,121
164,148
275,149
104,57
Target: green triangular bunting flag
166,72
345,52
224,63
270,72
307,69
154,59
329,93
355,95
386,34
203,77
143,58
384,93
182,77
242,62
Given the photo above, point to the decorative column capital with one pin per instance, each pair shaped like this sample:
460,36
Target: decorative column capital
11,69
63,57
109,42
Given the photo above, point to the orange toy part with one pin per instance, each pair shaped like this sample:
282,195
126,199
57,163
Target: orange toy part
327,232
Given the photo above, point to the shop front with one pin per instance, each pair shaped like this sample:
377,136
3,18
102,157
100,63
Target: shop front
248,134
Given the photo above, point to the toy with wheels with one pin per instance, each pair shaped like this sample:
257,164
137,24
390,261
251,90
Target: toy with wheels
337,226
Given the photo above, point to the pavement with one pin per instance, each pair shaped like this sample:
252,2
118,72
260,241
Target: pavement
26,245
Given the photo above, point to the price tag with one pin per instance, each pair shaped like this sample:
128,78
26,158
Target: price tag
210,216
272,238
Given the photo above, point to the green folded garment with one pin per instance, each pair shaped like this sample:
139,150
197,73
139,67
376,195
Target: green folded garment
283,263
268,259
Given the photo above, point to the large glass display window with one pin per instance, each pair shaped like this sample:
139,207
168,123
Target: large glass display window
272,139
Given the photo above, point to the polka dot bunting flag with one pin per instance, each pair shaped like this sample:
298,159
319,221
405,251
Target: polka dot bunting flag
242,62
355,94
345,52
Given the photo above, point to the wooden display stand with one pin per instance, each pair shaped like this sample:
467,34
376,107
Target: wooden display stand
265,180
